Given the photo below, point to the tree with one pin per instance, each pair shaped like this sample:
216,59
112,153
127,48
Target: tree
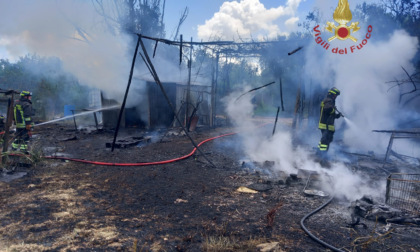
132,16
51,86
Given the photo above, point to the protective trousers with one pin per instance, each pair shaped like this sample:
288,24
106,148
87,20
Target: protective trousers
21,140
326,139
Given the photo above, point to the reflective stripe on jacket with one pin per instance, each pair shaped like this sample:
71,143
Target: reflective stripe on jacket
22,113
327,114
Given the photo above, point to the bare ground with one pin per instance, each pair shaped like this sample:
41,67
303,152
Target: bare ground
188,205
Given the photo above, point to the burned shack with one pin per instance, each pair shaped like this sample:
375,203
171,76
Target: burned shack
151,110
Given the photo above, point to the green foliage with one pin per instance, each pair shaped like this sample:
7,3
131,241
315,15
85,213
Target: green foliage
391,15
51,86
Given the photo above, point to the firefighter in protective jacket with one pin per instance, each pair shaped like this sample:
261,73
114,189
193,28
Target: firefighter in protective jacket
23,119
326,120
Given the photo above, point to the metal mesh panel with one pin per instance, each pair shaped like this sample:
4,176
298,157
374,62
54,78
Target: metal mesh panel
403,192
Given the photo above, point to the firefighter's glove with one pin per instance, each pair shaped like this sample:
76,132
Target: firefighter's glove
28,127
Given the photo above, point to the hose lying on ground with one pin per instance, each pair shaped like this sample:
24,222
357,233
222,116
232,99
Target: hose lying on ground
187,156
133,164
313,236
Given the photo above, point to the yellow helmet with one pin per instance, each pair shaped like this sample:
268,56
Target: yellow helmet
334,91
25,93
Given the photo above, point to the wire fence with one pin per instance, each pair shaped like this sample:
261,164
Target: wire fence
403,192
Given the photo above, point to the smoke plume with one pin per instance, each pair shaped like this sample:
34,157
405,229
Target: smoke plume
72,31
361,76
260,146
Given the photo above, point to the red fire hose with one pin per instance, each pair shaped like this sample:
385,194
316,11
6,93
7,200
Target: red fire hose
139,164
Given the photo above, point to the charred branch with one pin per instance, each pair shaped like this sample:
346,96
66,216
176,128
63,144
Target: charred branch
181,21
254,89
154,50
410,80
294,51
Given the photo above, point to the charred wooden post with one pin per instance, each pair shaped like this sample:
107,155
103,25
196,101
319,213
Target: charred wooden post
180,49
214,92
275,123
96,120
8,124
126,94
187,111
388,187
281,95
74,120
297,108
302,105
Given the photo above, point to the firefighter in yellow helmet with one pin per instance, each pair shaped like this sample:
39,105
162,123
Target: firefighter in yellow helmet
326,120
23,119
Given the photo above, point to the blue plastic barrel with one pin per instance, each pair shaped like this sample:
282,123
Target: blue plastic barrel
68,110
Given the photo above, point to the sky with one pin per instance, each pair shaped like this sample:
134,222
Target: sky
206,20
256,18
208,11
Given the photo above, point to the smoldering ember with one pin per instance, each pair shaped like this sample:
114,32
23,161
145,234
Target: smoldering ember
119,136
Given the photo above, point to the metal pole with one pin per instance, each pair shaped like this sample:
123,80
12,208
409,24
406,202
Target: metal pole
126,93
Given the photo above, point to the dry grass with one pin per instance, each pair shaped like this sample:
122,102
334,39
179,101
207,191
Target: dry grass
219,243
231,243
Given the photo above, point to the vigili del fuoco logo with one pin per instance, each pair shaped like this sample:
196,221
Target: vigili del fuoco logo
342,15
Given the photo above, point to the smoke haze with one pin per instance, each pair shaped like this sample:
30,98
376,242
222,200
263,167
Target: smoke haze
260,147
361,77
365,101
71,31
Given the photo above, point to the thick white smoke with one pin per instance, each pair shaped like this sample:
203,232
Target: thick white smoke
361,76
365,101
260,147
72,31
257,146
